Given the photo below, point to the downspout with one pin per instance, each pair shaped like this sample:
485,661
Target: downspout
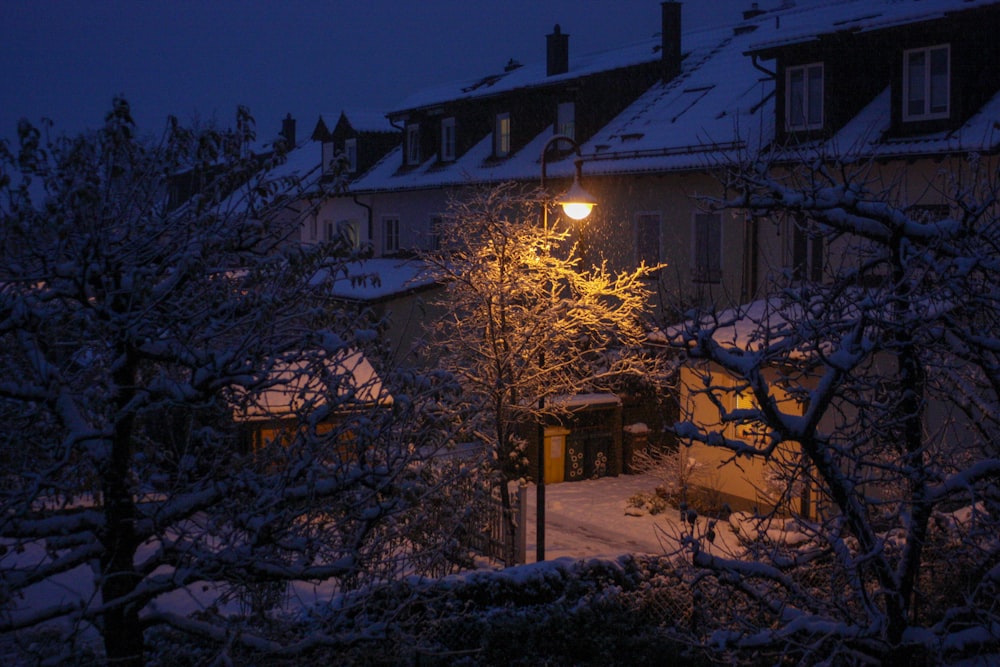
761,68
751,231
369,209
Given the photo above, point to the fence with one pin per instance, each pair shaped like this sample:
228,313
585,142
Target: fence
489,534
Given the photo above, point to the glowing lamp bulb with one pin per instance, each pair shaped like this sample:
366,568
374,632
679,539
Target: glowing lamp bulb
577,210
577,203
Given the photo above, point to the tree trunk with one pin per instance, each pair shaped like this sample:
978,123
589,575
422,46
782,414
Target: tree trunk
123,640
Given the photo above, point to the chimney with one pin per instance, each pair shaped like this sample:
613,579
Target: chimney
671,36
557,52
288,130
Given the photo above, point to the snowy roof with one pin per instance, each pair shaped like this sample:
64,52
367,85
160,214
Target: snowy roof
720,108
297,386
382,278
302,162
534,75
804,24
746,327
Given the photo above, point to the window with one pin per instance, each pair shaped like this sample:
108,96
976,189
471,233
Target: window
501,137
707,260
926,83
566,119
327,156
390,234
412,144
434,242
804,97
348,230
351,151
803,251
448,140
647,227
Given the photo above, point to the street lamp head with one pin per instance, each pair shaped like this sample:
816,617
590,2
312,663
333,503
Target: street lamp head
577,202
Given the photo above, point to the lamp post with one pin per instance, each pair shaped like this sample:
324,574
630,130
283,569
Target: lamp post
577,204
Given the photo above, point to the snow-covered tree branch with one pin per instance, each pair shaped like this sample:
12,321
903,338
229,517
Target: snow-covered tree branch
526,326
187,414
881,373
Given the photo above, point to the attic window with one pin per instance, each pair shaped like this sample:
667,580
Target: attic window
632,136
413,144
448,140
566,119
351,149
501,136
926,83
804,97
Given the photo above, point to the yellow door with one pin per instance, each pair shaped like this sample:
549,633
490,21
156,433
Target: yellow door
555,453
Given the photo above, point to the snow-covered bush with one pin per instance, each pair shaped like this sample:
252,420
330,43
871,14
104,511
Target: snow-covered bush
593,612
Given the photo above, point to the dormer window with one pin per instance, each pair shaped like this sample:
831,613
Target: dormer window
327,156
448,140
566,119
926,83
351,152
412,144
501,136
804,97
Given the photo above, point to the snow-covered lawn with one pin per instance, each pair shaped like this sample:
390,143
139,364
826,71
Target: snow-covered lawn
587,518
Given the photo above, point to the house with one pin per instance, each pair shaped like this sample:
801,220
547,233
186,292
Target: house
298,392
909,85
907,89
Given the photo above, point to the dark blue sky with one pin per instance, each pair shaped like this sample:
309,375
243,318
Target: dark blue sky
66,59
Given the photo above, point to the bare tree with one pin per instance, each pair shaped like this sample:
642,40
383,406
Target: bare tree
875,384
526,325
153,312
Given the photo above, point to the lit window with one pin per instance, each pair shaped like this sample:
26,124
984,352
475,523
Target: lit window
447,139
926,83
647,227
804,97
351,149
707,260
566,119
390,234
412,144
502,135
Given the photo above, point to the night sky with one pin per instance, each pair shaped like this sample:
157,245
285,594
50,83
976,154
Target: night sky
66,59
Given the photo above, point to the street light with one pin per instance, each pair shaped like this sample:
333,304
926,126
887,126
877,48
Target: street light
576,203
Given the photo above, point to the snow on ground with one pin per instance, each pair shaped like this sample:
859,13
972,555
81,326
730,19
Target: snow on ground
587,519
